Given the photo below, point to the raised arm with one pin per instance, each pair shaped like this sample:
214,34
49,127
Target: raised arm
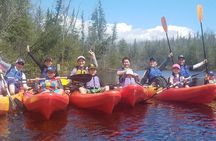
198,65
93,58
33,58
165,62
4,66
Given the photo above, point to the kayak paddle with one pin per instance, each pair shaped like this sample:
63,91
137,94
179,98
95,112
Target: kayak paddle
164,24
200,16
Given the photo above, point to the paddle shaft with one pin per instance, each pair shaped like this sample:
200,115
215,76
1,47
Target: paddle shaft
169,47
203,43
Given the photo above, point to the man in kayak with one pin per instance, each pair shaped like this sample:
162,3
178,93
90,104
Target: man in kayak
14,75
95,85
52,83
154,73
176,80
185,69
48,61
126,74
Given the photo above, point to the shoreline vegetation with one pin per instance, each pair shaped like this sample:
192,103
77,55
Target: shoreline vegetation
49,34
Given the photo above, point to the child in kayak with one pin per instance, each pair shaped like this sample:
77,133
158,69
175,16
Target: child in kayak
126,74
210,78
51,84
176,79
95,85
48,61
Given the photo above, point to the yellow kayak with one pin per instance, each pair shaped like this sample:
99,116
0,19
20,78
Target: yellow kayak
4,102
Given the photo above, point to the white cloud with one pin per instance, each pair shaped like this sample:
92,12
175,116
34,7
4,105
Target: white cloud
129,33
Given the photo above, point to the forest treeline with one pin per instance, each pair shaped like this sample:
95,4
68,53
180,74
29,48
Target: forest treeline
53,32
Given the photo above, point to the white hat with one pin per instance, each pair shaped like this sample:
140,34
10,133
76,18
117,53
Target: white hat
129,71
80,57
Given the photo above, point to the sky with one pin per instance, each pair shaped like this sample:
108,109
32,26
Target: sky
141,19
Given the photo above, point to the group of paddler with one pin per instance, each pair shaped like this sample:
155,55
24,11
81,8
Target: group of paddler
48,81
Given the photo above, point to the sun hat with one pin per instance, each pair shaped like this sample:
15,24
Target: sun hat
81,57
92,66
181,56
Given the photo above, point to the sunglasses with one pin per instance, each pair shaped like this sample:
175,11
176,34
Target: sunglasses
20,63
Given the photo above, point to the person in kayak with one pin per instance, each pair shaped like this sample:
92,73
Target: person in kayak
52,83
14,76
95,85
185,69
176,79
210,78
47,62
81,68
154,73
126,74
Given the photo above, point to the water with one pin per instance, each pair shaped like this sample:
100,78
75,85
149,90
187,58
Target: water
150,121
146,121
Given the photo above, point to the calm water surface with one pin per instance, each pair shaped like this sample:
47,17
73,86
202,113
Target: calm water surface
146,121
150,121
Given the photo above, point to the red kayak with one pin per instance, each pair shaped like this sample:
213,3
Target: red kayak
196,94
133,94
45,103
104,101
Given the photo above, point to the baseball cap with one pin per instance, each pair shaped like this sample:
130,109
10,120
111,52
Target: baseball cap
92,66
176,66
211,73
20,60
181,56
152,59
51,68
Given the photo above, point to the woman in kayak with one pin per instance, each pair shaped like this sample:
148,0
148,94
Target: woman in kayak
126,75
51,84
81,68
154,72
95,85
48,61
176,79
14,75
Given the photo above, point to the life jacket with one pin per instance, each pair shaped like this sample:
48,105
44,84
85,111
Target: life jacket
51,84
81,70
14,73
154,72
94,82
179,80
184,71
129,81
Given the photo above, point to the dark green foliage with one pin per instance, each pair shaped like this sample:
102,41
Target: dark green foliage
49,34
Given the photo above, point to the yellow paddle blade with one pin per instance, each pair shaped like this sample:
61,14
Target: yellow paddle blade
200,12
164,24
64,82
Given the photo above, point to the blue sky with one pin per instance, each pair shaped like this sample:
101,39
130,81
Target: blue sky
141,19
147,13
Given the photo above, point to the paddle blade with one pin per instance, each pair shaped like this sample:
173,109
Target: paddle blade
84,78
200,12
164,24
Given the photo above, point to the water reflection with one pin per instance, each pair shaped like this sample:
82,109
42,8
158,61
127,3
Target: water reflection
45,129
4,132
